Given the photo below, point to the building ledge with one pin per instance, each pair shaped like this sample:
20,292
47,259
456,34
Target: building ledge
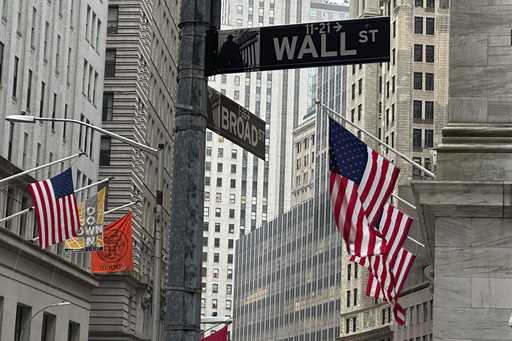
28,250
369,335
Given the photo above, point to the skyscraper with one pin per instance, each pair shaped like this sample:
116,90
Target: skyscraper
404,103
288,273
241,191
138,103
51,65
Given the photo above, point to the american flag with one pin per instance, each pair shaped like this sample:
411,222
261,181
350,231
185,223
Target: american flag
389,272
56,208
361,181
373,175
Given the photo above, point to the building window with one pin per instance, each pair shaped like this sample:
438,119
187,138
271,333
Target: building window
2,46
216,256
108,104
48,327
229,289
354,324
431,4
429,138
233,154
29,89
73,331
232,183
54,113
229,274
231,243
349,271
228,304
387,89
41,101
430,23
214,303
352,118
217,227
359,112
393,84
418,81
353,91
105,149
348,298
394,56
429,110
22,321
57,55
347,326
418,25
360,87
110,63
418,53
218,212
230,259
45,42
231,213
429,53
15,77
207,181
231,228
112,20
416,138
220,153
445,4
417,110
216,242
429,81
418,3
215,288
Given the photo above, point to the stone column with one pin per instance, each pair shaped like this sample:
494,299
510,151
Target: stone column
466,213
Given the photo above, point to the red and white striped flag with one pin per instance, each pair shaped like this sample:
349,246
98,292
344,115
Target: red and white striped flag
56,208
374,175
389,272
361,182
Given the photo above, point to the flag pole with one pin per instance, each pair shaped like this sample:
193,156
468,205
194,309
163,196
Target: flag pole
393,149
376,139
121,207
12,216
107,212
14,176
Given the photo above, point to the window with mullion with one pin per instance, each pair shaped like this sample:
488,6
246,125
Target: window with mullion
429,53
418,53
417,110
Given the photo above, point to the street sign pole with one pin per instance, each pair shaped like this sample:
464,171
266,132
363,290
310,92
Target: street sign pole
184,273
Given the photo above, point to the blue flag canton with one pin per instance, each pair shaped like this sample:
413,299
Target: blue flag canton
63,184
347,154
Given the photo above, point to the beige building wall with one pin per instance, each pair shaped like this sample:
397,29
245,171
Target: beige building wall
138,103
381,99
303,167
51,65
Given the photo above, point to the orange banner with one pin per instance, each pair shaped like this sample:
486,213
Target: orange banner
116,255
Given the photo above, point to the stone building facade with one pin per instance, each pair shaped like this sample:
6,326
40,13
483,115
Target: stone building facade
404,103
138,102
51,65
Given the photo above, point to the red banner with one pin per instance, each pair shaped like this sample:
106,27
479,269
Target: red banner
116,255
220,335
